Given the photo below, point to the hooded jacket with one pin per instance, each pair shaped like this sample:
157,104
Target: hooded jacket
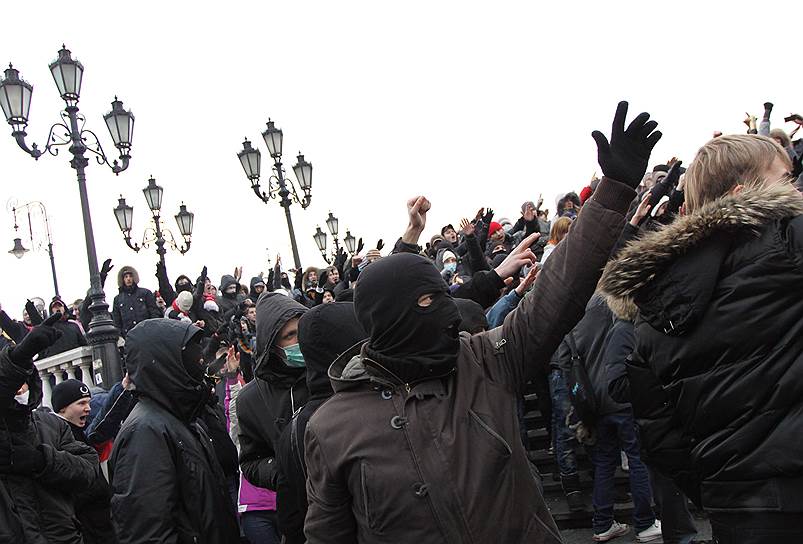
167,483
252,294
267,403
441,460
716,379
324,333
133,304
225,301
40,509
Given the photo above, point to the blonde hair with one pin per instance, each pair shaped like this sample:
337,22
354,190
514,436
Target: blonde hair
728,161
779,134
559,230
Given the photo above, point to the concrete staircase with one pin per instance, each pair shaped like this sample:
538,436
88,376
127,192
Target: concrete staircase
537,450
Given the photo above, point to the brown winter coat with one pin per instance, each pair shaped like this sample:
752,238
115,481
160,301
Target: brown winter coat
453,468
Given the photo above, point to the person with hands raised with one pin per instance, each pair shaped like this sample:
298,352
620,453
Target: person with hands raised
376,470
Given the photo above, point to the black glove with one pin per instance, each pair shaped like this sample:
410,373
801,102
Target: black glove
20,457
380,244
104,271
41,337
488,217
625,158
33,313
340,259
360,246
299,278
767,110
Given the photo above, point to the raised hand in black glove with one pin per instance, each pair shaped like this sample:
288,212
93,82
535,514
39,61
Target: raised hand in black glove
625,158
380,244
360,246
104,270
340,259
20,458
488,217
33,313
41,337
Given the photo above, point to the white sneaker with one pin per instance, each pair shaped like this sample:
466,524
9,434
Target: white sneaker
625,464
651,533
617,529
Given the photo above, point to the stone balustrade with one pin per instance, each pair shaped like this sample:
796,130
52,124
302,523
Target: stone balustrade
76,363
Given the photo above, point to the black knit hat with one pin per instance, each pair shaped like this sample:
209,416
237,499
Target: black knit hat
68,392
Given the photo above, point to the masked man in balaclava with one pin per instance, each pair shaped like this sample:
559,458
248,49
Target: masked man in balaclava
420,442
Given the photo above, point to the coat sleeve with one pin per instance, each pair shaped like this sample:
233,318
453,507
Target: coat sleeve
532,332
116,317
498,312
11,379
257,454
144,487
621,340
330,519
165,289
476,258
70,465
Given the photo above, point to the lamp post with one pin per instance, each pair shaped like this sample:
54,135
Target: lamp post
15,101
157,234
278,185
19,251
332,224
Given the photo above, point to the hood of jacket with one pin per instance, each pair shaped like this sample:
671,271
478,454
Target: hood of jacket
255,280
225,282
123,271
671,292
273,311
324,333
153,351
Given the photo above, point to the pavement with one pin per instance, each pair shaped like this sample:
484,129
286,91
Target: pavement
583,536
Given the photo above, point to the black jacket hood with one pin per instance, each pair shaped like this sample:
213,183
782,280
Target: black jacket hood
324,333
273,311
227,281
153,350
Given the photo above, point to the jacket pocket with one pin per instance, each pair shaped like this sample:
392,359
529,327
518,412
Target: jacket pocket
366,501
498,442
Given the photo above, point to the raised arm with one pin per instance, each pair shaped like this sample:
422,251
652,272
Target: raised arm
533,331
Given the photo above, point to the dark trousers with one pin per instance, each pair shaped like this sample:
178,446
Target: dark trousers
259,526
617,432
677,525
561,434
756,528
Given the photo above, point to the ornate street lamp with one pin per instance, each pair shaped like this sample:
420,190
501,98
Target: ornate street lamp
279,186
15,101
350,241
19,250
320,241
156,233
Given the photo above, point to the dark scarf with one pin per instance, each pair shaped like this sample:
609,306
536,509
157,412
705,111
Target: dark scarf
408,342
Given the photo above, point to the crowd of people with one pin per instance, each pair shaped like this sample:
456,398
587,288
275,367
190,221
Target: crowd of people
380,399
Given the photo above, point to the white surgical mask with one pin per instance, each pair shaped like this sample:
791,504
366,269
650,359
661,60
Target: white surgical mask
23,398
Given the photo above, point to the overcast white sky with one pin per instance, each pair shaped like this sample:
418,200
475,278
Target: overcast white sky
470,103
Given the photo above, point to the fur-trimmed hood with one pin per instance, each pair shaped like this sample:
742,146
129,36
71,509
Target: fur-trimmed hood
125,270
641,261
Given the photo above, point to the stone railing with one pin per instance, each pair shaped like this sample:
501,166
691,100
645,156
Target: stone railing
75,363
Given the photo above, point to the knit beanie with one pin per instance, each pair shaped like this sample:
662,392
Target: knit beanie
448,255
67,392
585,194
493,228
184,300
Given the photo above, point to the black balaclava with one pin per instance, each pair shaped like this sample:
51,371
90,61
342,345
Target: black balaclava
412,342
183,283
191,357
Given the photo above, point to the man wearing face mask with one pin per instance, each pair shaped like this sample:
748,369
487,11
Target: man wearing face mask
420,442
267,403
167,482
42,466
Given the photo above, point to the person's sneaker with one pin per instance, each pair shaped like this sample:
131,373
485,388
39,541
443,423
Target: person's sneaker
575,501
625,464
616,530
651,533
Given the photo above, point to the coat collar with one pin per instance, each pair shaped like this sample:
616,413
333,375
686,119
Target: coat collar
644,260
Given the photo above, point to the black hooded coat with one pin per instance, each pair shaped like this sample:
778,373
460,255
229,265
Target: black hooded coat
267,403
40,509
225,301
133,304
324,333
167,483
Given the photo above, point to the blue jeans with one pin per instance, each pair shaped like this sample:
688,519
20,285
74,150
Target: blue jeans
259,527
617,432
561,434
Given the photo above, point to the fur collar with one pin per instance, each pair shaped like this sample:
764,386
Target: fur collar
645,258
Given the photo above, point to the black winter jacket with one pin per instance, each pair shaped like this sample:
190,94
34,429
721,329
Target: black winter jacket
324,333
716,380
166,481
40,509
267,403
133,304
71,338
